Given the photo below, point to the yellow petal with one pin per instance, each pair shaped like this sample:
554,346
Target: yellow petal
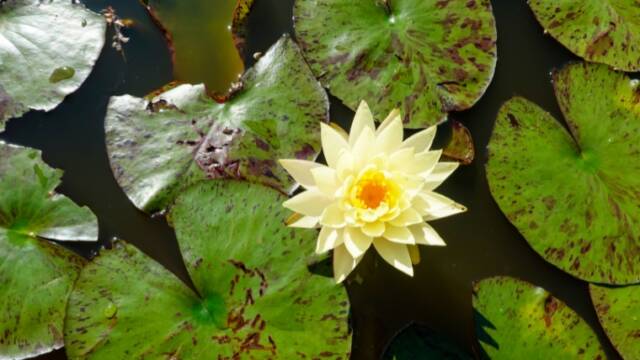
421,141
363,149
332,216
414,253
343,264
310,203
328,239
408,217
300,170
426,235
326,180
439,174
390,138
395,113
356,242
434,206
333,143
395,254
373,229
399,234
307,222
363,119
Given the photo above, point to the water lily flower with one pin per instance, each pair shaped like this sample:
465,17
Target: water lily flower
376,190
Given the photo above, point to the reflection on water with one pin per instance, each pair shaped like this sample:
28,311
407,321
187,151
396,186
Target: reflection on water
203,46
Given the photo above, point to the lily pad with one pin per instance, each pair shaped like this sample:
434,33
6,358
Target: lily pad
603,31
158,146
36,275
419,343
200,37
257,298
574,194
47,50
460,147
523,321
619,313
426,57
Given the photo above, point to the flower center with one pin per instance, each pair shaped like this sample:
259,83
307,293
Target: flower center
372,189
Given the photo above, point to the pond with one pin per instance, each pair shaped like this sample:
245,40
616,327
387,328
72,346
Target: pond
480,243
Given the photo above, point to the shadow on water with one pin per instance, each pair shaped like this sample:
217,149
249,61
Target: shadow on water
481,242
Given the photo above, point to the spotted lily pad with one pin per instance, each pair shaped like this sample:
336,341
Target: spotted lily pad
36,275
47,50
257,298
426,57
574,194
619,313
420,343
158,146
522,321
603,31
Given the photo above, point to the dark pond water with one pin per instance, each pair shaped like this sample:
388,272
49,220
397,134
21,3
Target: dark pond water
481,243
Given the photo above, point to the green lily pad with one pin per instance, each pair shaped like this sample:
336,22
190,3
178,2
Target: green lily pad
419,343
619,313
522,321
36,275
47,50
574,195
602,31
158,146
426,57
258,299
201,40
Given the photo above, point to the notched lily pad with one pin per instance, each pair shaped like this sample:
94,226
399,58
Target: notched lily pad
36,275
425,57
258,299
603,31
460,147
47,50
516,320
418,343
618,309
575,194
158,146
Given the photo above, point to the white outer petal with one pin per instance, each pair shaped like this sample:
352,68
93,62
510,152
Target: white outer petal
356,242
395,113
333,143
396,255
389,139
300,170
439,174
310,203
333,216
326,180
362,119
328,239
343,263
422,140
306,222
399,235
426,235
